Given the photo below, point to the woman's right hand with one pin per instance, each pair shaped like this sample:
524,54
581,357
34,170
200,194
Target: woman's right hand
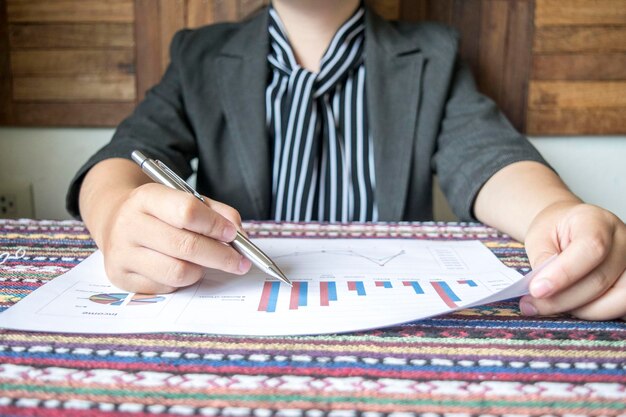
155,239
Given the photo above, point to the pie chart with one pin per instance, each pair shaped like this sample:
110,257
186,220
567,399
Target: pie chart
113,299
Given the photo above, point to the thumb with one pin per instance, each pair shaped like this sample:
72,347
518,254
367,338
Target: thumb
540,248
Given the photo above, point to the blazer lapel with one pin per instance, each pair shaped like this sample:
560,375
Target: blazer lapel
242,71
393,68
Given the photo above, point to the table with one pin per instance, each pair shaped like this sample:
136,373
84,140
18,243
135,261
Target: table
487,360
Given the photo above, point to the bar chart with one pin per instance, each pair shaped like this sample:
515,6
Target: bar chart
297,297
341,285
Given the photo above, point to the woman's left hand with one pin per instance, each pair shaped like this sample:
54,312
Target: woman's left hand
588,277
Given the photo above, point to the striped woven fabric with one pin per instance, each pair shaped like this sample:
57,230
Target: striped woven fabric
484,361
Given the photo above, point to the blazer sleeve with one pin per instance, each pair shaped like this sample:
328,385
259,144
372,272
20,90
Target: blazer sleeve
475,141
158,127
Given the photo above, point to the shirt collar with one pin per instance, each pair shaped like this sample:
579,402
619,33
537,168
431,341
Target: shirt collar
282,53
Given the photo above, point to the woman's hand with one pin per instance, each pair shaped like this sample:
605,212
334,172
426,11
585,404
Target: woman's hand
588,276
155,239
162,239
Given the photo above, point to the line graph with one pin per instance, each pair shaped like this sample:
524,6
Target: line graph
380,261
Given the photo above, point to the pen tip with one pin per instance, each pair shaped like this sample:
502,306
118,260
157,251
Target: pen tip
286,281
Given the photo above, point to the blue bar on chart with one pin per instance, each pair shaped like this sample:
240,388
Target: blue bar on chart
269,296
468,282
384,284
356,286
332,291
416,286
445,292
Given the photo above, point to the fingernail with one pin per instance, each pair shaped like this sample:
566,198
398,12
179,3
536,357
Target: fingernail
541,287
244,265
527,308
229,233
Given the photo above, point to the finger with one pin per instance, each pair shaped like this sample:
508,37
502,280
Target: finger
584,291
592,287
609,306
162,269
226,211
132,282
140,284
187,246
183,211
577,260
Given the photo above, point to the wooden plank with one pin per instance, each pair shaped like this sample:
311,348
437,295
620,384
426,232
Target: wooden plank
550,39
88,87
580,67
249,7
72,114
72,62
72,35
388,9
199,13
225,10
517,63
148,50
580,12
576,94
172,19
6,93
440,10
578,121
493,35
70,11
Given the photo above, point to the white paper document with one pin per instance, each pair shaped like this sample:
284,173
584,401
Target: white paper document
340,285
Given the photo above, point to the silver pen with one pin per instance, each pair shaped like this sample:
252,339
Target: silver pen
160,173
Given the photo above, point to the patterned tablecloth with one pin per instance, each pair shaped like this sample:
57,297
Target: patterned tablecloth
482,361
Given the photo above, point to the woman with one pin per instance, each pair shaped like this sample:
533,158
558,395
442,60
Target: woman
319,110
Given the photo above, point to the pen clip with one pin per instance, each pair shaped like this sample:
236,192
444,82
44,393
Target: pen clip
178,180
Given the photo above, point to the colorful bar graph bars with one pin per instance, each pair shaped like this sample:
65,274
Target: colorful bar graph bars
416,286
328,292
384,284
445,292
356,286
298,295
269,296
468,282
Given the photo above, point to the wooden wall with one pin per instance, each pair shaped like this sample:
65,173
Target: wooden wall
553,66
67,62
578,78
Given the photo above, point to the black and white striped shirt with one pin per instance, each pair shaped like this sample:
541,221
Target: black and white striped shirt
323,157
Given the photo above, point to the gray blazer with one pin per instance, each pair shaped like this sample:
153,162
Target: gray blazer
424,112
